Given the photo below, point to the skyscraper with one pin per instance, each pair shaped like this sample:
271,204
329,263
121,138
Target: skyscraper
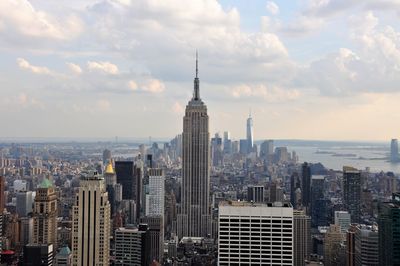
125,172
155,237
305,184
91,222
389,232
156,192
301,237
194,218
266,149
249,134
352,192
45,214
366,245
319,205
255,234
394,151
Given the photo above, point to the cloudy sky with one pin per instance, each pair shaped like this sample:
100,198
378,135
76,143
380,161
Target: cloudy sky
308,69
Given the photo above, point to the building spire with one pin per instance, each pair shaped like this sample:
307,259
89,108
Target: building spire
196,93
197,64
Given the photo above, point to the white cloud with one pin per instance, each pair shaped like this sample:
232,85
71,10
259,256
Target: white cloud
20,17
153,86
74,68
272,8
269,94
22,101
132,85
102,66
177,108
24,64
103,105
301,26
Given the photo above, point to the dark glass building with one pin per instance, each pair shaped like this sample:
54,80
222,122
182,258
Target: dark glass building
319,205
389,232
125,176
305,184
352,192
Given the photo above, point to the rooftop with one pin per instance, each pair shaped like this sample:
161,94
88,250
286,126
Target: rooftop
46,183
255,204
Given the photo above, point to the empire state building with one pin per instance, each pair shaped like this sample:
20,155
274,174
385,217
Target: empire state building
194,217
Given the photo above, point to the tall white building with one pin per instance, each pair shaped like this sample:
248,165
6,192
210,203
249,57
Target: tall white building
156,192
343,219
91,223
255,234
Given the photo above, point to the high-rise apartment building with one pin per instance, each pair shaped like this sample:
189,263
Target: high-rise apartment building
91,222
389,232
255,234
343,219
352,192
194,218
45,214
255,194
156,192
302,245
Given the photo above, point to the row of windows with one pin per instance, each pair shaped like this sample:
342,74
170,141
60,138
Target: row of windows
255,220
284,246
237,232
263,235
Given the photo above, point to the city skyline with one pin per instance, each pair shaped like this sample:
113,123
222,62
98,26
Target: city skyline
307,69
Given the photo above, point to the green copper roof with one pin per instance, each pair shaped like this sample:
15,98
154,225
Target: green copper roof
46,183
65,251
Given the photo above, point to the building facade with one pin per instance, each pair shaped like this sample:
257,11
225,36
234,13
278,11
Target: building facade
255,234
45,214
389,233
91,222
352,192
194,218
302,245
156,192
